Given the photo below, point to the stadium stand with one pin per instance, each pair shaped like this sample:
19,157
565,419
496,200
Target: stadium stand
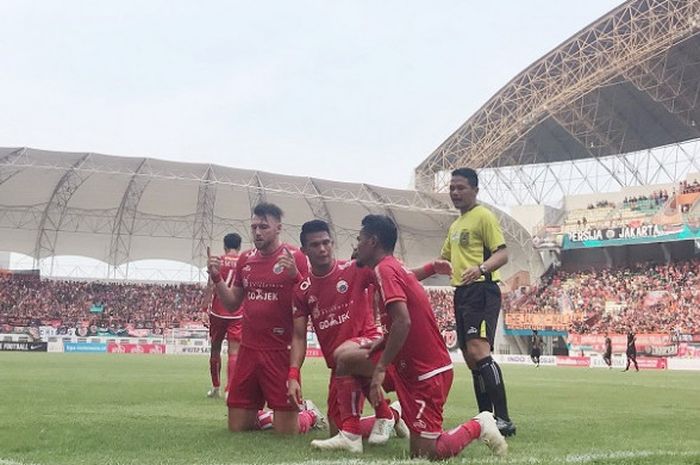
647,298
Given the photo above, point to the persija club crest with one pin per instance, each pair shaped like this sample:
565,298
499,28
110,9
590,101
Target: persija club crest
342,286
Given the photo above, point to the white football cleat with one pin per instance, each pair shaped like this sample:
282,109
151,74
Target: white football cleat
400,426
341,441
381,431
213,393
321,421
490,434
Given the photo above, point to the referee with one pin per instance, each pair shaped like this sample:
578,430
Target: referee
476,248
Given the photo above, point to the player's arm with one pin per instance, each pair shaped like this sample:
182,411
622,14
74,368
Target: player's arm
296,359
438,266
230,297
207,296
400,326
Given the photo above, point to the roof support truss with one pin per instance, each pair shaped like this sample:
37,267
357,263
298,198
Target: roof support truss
52,219
123,228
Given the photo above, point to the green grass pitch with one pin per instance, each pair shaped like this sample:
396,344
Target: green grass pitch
138,409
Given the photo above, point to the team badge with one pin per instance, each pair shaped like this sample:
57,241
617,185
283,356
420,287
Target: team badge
464,238
342,286
277,269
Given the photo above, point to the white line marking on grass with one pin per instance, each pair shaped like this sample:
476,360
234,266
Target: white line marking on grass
576,459
570,459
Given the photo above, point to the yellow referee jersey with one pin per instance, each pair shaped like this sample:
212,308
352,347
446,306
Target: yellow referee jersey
470,241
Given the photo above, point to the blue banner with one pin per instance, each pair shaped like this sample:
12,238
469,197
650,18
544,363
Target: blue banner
646,234
85,347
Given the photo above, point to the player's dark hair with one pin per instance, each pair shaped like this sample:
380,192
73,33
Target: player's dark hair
266,209
313,226
232,241
469,174
383,228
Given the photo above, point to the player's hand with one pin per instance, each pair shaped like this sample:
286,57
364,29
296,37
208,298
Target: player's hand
294,392
376,393
213,266
470,275
442,267
373,346
286,261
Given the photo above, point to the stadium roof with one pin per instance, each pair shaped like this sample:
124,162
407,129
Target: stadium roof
630,81
118,209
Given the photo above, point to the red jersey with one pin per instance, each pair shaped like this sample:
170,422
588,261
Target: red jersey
228,270
338,306
424,354
267,305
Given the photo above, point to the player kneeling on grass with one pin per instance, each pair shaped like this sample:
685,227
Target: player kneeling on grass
334,296
263,283
413,356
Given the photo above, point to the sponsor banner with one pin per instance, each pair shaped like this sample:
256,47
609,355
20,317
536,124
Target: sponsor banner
664,351
178,349
686,350
55,347
683,363
114,348
617,362
84,347
563,361
311,352
596,342
648,363
450,338
541,332
520,359
10,346
644,234
544,321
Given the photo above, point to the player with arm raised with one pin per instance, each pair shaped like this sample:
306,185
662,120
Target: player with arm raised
264,282
222,323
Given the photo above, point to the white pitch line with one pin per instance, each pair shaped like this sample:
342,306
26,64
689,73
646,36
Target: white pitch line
577,459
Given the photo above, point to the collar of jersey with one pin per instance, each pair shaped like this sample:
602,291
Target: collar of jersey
335,265
281,246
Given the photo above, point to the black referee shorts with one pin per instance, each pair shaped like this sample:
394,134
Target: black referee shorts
477,306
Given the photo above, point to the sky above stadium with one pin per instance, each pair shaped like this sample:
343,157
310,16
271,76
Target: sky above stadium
357,91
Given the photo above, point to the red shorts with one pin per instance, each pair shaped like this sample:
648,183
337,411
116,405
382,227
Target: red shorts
224,328
422,402
260,377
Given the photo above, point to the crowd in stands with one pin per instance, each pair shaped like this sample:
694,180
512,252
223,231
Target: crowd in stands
690,188
441,299
656,198
646,298
601,204
68,304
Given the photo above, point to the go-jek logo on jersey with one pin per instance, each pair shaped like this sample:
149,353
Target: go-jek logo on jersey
260,295
334,321
342,286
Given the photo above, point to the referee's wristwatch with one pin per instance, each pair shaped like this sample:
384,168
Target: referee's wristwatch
483,269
